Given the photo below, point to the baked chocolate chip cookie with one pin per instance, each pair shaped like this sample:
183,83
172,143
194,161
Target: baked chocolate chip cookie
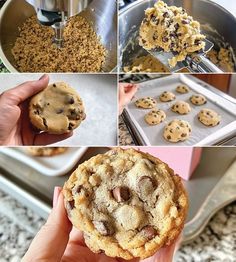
198,100
146,102
167,96
128,204
177,130
45,151
209,117
181,107
155,117
57,109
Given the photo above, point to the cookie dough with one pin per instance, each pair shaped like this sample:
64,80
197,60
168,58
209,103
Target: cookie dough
198,100
57,109
82,50
182,89
177,130
181,108
171,29
167,96
209,117
146,102
45,151
155,117
128,204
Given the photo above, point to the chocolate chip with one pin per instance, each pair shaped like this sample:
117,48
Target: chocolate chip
197,42
70,127
70,204
71,100
45,122
54,85
165,39
183,135
74,114
77,189
176,26
121,193
103,227
166,14
168,137
149,232
59,111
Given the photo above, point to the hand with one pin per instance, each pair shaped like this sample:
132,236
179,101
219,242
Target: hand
15,126
58,241
126,93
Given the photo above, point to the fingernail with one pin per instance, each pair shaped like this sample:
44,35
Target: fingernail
56,193
43,77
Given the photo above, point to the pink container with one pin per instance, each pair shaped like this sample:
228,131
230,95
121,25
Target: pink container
183,160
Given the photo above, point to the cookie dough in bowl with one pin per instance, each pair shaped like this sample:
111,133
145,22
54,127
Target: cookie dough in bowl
177,130
58,109
155,117
167,96
171,29
209,117
146,102
181,108
128,204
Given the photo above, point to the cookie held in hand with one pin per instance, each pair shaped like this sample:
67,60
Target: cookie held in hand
58,109
128,204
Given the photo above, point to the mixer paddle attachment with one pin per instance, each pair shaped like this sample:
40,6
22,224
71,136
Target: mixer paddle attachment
196,62
59,30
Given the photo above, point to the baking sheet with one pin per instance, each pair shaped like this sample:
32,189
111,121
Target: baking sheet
201,135
99,94
47,165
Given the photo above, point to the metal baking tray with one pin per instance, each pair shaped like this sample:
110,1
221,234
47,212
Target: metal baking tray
211,187
143,134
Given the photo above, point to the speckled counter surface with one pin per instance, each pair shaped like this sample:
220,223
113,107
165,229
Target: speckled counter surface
18,226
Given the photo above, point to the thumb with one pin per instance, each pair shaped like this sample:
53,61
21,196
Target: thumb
51,241
19,94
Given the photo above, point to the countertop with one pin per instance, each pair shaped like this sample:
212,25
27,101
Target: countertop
18,226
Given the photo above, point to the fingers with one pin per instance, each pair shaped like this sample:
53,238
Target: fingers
51,241
19,94
46,139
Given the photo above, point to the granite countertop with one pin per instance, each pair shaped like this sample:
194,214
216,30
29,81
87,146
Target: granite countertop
18,226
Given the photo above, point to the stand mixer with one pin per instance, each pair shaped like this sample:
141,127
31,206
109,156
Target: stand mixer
56,12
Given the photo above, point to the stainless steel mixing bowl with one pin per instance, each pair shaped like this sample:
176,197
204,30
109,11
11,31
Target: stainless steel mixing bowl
101,13
221,29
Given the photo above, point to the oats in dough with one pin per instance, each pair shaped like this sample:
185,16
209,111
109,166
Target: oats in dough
177,130
155,117
146,102
167,96
171,29
82,50
209,117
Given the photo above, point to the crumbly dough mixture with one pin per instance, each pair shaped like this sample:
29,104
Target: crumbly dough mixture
57,109
45,151
82,51
128,204
171,29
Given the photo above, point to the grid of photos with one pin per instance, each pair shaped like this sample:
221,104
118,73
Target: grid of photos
117,130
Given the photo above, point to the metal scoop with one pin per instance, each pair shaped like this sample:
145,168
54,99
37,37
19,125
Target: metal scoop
197,62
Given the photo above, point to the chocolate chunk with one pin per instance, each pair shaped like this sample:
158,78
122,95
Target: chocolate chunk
71,100
149,232
121,193
169,137
197,42
70,204
74,114
104,228
183,135
70,127
59,111
165,39
77,189
185,21
146,186
166,14
83,116
54,85
176,26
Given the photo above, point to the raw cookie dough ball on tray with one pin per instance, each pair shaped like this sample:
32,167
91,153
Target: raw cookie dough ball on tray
167,96
209,117
57,109
182,89
181,108
146,102
128,204
155,117
177,130
198,100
